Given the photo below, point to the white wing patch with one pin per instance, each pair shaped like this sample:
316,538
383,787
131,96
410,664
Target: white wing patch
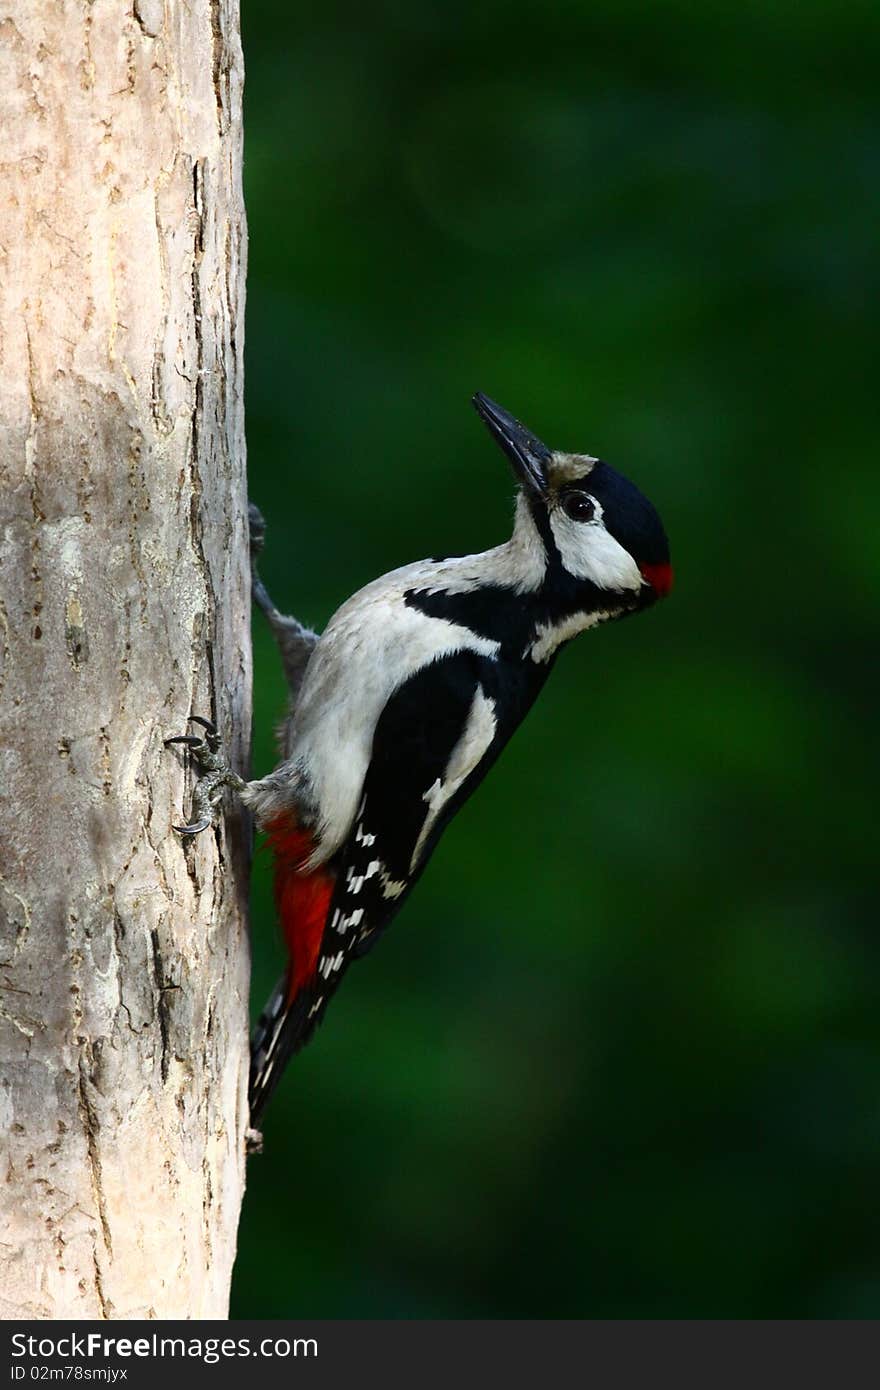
476,738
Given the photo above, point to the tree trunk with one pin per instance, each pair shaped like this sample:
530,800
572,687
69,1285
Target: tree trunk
124,607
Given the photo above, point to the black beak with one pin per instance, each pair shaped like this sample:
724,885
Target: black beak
525,451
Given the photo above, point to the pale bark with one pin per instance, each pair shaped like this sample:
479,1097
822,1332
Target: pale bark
124,600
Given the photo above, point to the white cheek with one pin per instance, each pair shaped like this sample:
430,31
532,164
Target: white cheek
588,551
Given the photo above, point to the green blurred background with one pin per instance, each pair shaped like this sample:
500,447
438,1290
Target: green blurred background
620,1054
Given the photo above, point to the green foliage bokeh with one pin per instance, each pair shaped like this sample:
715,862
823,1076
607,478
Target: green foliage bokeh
620,1054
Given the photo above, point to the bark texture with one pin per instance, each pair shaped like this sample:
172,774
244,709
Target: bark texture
124,607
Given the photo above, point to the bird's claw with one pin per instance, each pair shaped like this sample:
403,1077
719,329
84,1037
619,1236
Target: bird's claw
257,529
193,829
210,743
206,724
217,775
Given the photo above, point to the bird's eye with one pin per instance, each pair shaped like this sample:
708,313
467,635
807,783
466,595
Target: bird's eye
579,506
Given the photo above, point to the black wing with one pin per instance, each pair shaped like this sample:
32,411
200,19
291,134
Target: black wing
434,741
430,745
414,745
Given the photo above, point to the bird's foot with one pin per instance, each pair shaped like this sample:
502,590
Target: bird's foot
217,775
295,641
257,529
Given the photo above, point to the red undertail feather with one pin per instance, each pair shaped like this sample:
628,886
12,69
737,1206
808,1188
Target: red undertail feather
302,899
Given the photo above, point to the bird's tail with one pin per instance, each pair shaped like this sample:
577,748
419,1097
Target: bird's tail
284,1026
283,1029
266,1043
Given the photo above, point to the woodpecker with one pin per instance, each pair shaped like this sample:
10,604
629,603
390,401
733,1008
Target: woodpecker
403,704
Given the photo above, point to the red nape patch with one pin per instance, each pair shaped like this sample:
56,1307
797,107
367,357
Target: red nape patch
659,577
302,898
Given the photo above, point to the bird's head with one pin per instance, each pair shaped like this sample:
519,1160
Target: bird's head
597,529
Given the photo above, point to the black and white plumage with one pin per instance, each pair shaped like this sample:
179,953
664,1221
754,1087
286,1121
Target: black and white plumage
407,699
